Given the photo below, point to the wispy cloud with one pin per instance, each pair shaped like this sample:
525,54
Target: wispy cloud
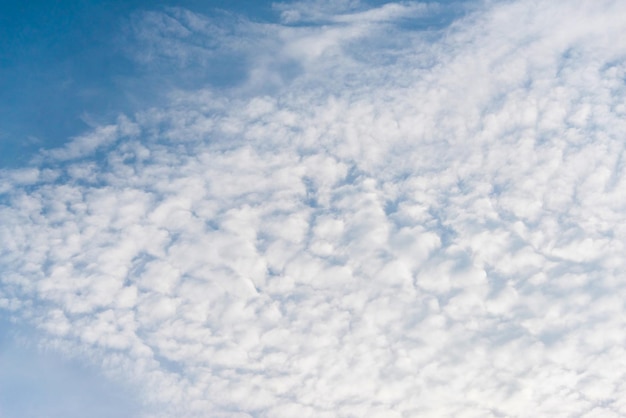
431,225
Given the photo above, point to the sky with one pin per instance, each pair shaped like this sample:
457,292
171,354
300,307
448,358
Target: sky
339,208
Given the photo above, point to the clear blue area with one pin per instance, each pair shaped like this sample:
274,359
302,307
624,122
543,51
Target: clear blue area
62,63
44,384
62,66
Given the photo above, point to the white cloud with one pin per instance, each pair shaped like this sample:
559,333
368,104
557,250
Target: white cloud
440,234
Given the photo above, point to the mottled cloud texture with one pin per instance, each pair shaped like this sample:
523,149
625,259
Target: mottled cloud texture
378,220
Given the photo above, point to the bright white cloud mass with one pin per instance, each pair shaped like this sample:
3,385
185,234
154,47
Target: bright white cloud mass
380,218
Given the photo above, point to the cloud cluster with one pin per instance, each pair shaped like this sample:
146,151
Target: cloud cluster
431,224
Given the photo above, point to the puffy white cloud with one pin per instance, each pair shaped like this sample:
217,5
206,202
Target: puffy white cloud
429,226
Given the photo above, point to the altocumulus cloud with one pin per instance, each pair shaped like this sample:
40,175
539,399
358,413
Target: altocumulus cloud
377,220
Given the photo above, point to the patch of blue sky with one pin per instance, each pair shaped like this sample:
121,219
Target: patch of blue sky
66,67
37,382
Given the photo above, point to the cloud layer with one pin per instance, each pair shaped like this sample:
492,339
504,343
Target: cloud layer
377,220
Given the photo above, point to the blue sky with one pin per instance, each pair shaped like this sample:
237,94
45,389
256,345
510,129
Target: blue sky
65,67
39,382
64,63
324,208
